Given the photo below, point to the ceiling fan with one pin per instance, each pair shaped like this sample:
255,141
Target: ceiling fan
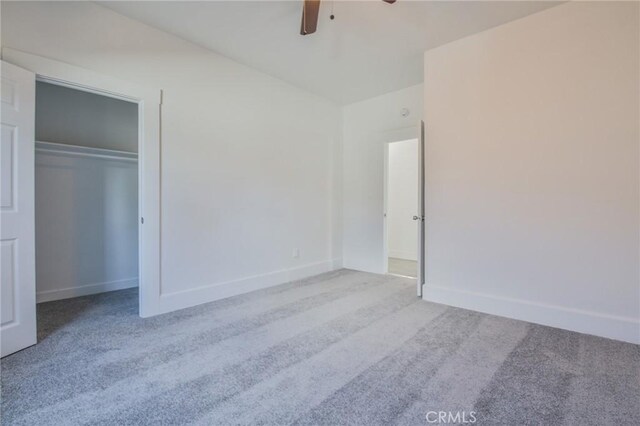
310,10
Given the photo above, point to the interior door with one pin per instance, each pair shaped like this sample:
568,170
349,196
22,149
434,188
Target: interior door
17,243
421,224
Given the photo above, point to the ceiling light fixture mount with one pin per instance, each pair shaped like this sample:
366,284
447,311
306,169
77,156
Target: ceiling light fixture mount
310,11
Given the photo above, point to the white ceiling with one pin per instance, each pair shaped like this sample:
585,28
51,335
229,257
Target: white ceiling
369,49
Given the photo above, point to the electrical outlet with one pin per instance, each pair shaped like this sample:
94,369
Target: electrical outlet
296,253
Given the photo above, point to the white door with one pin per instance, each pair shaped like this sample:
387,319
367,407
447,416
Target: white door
17,250
420,218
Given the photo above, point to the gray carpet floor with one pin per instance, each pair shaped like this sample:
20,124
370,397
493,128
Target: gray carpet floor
341,348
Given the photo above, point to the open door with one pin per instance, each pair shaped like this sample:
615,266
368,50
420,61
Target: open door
17,234
420,217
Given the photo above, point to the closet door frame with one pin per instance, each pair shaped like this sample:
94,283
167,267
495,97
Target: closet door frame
149,138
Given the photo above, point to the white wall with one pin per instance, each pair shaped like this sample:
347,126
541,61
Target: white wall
367,127
532,170
402,200
69,116
86,221
247,160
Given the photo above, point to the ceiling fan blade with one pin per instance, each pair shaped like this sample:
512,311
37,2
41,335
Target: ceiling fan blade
389,1
310,10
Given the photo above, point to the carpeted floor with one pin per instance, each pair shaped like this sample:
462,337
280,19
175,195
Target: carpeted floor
341,348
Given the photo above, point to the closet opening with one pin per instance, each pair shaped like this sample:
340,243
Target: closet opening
86,198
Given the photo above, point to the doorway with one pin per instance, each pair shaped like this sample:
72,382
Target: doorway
86,193
401,208
20,71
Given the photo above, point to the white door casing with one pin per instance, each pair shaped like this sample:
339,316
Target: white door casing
17,225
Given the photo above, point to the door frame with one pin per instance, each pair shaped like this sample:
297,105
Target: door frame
389,137
149,139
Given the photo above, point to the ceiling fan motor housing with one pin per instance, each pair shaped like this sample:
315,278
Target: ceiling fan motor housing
310,12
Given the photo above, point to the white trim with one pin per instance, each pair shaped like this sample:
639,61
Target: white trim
148,101
85,290
67,75
82,151
208,293
610,326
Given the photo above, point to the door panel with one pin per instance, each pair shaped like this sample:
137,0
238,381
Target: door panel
421,212
17,245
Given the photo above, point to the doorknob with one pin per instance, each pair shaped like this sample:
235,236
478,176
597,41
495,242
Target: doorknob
417,218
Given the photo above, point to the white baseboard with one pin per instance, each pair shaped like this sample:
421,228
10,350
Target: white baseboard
402,255
84,290
603,325
184,299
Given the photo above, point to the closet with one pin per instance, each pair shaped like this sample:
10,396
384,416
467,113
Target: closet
86,198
